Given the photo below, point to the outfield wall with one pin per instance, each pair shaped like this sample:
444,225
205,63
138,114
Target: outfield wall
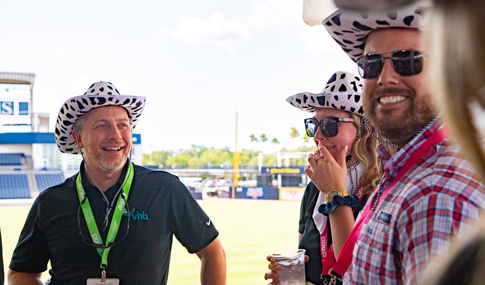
269,193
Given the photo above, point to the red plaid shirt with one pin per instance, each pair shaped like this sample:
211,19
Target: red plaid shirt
437,199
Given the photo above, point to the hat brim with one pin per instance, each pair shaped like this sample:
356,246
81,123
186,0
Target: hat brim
77,106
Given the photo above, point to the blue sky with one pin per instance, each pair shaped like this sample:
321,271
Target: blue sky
197,62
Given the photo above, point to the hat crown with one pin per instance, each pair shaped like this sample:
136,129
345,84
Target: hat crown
102,88
350,28
343,91
99,94
342,81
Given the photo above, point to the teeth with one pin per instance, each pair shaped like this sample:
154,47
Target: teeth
391,99
112,148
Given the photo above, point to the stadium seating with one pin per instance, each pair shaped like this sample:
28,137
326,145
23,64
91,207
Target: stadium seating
46,180
11,158
14,186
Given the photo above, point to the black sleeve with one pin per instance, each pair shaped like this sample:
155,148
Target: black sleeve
190,224
305,201
31,254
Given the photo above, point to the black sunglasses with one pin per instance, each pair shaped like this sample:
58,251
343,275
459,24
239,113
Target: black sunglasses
95,245
404,62
328,126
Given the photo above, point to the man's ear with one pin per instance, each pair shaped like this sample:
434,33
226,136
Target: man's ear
78,140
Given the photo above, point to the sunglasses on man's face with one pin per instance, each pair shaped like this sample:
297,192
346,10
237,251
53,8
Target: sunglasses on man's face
328,126
404,63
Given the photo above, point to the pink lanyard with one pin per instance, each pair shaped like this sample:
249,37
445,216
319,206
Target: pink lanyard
345,258
328,255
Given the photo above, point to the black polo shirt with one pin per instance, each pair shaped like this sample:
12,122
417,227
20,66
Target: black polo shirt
160,207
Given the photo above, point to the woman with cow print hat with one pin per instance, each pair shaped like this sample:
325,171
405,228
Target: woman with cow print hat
344,170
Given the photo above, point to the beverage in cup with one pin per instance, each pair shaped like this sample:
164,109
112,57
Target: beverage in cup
292,264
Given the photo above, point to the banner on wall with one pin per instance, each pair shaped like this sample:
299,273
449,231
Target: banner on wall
283,170
291,193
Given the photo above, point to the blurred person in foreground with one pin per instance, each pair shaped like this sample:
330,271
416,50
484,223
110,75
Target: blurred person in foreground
2,273
457,45
111,208
344,170
429,192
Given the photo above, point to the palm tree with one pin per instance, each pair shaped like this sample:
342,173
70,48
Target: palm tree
294,133
275,141
263,139
306,139
253,139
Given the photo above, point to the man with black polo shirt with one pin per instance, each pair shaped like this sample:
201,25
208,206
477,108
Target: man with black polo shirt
114,221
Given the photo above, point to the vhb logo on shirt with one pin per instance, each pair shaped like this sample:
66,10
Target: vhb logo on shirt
137,216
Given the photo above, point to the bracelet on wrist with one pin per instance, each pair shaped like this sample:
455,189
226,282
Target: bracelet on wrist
352,201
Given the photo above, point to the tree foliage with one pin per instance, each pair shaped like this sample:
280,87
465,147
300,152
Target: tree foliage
198,156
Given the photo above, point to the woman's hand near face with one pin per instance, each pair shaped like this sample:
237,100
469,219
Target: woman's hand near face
326,172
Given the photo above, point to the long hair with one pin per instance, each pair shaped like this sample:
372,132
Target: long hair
457,53
365,150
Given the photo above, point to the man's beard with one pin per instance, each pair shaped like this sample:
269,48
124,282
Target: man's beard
101,163
401,130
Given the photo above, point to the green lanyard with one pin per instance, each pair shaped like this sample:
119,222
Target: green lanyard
115,221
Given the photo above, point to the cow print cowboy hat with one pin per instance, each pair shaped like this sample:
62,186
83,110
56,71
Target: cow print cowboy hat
343,91
99,94
350,28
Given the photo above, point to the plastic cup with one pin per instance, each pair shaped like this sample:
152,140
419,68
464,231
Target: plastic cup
292,264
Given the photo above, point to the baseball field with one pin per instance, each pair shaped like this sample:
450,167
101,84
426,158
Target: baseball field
249,230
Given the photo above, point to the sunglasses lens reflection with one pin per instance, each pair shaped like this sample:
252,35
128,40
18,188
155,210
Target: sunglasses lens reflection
329,127
405,63
311,128
370,66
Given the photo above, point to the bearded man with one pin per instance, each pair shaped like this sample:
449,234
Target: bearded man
428,192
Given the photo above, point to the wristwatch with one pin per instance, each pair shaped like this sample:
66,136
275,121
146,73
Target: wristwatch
329,196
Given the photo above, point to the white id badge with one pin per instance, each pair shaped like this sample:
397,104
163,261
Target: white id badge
109,281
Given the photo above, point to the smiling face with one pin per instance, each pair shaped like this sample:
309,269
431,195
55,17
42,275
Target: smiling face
398,106
347,132
105,139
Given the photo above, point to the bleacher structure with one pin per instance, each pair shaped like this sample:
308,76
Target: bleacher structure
14,186
17,183
11,158
46,180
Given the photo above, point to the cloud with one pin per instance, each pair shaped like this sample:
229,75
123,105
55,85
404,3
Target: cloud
215,30
275,13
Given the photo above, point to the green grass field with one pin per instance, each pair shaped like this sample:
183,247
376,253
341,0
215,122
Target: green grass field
249,230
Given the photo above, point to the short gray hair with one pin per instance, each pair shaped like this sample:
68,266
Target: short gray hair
79,125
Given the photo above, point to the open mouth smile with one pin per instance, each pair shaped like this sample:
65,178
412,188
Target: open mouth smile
113,148
391,99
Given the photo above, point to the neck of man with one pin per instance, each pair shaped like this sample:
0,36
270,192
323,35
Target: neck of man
104,179
405,141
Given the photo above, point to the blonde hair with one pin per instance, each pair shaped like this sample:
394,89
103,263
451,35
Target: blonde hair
457,52
365,150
